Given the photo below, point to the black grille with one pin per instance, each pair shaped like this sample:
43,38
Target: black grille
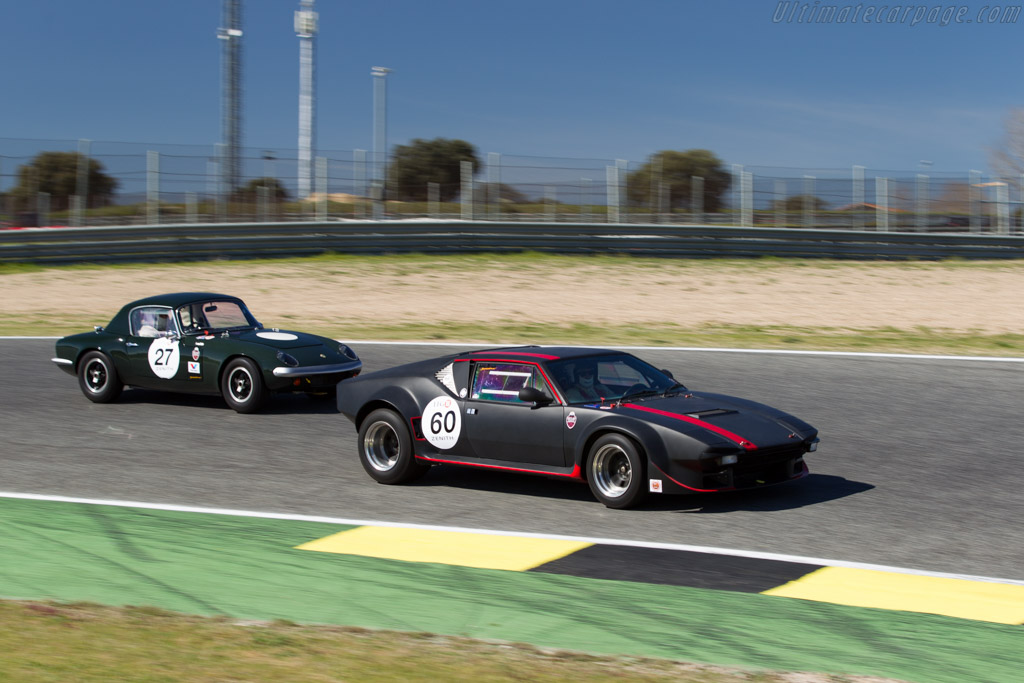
759,467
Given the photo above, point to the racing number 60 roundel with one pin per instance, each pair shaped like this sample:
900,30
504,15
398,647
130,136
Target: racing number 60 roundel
442,422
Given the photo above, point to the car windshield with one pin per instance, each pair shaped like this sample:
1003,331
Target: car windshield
603,378
215,316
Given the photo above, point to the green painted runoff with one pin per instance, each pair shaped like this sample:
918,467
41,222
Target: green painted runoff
249,568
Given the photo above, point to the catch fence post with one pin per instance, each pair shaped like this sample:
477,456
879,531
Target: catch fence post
858,198
152,187
612,180
466,169
882,204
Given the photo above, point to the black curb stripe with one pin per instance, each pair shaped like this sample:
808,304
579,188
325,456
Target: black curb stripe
678,568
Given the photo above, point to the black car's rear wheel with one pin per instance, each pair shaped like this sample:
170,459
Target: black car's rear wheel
615,471
385,448
98,378
242,387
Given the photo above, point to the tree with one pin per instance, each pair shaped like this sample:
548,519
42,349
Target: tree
57,174
1007,159
251,190
796,203
429,161
676,171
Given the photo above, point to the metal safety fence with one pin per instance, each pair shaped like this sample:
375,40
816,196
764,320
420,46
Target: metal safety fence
169,184
271,240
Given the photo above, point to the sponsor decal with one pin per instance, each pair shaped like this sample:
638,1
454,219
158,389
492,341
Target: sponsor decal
570,419
656,486
193,367
164,357
195,354
441,422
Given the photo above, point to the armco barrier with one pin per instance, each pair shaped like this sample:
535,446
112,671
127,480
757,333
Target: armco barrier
273,240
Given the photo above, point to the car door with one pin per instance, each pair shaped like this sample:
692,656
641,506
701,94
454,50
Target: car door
154,349
499,426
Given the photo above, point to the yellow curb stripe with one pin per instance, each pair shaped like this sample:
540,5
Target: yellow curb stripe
464,549
978,600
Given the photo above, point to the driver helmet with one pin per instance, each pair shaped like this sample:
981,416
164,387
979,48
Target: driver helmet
585,373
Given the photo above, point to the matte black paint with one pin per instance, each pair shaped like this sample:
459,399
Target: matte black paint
683,455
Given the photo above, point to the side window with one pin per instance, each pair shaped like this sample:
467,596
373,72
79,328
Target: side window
151,321
502,381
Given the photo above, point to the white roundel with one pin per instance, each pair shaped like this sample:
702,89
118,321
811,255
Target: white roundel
442,422
277,336
164,357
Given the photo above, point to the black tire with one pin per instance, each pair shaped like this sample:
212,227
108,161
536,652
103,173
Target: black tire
615,471
242,386
98,378
385,449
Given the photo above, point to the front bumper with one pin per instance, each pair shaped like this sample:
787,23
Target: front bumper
64,364
349,369
752,469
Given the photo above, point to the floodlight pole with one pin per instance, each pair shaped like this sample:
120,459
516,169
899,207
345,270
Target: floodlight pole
231,114
380,136
306,29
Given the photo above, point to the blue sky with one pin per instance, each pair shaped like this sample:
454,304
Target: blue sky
559,78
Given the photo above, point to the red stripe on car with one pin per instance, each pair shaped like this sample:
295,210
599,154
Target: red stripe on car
520,353
700,423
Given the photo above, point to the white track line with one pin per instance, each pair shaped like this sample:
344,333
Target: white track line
493,532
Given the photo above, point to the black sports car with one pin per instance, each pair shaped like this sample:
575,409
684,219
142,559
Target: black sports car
202,343
603,416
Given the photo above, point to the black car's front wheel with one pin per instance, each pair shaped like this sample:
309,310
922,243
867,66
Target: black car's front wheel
615,471
98,378
385,448
242,386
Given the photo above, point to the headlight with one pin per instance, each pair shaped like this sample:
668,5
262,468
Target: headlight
728,460
346,351
287,359
813,446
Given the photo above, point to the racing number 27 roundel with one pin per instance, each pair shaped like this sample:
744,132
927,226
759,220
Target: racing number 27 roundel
442,422
164,358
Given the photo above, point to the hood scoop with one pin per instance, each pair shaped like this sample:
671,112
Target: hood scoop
704,414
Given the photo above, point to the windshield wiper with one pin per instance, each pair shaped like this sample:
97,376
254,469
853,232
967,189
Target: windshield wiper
675,385
634,394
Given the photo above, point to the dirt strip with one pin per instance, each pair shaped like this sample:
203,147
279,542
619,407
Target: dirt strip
960,296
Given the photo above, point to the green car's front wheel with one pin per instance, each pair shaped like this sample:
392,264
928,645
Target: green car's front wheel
242,386
98,378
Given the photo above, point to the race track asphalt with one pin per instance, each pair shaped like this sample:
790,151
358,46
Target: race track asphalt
919,465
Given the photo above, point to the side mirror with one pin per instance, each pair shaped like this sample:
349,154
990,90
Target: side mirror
535,396
667,373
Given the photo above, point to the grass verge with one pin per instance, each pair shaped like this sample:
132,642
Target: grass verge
147,644
883,339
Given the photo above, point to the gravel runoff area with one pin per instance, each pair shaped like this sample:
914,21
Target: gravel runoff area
983,298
